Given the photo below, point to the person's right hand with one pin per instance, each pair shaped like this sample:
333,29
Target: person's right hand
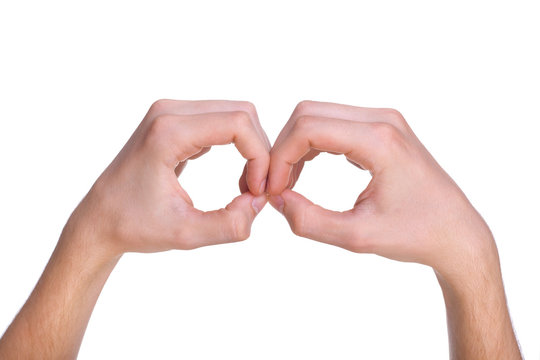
410,211
138,205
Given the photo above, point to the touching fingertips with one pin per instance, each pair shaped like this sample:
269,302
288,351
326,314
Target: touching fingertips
259,202
276,183
270,184
290,195
262,187
277,202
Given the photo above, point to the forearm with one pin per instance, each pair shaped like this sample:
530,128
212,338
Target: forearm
479,325
138,205
52,322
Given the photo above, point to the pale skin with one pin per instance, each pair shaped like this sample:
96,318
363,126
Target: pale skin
410,211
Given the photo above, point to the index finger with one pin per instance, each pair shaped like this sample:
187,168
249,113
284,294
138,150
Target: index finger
363,143
181,136
192,107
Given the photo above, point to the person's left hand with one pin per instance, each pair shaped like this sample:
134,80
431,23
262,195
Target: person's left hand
410,211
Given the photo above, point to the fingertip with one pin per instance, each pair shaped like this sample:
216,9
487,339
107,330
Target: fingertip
315,222
287,193
270,179
262,188
248,204
257,187
258,203
242,182
241,201
290,202
274,186
242,185
292,196
270,187
277,202
279,178
256,174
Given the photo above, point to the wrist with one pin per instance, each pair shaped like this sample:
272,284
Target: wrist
468,252
82,240
474,271
477,312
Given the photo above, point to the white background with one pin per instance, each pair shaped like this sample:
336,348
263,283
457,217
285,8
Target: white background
76,78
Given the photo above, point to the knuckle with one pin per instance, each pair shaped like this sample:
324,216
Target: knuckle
189,244
240,228
304,106
358,245
159,131
393,113
297,223
160,105
387,134
241,119
161,125
394,116
248,107
303,123
184,238
359,239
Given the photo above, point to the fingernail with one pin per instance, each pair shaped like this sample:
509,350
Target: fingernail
262,188
258,203
277,202
290,178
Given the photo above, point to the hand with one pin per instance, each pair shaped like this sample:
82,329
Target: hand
410,211
137,204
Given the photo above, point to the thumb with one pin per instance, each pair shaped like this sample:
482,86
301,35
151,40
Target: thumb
230,224
312,221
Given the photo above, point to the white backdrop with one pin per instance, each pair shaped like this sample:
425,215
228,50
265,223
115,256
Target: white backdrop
76,78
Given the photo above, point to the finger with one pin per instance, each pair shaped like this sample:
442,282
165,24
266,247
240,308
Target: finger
184,195
353,113
181,136
367,144
235,127
192,107
242,183
230,224
181,165
309,220
203,151
299,166
345,112
355,164
294,174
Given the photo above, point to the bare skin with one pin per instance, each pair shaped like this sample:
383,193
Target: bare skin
137,205
411,211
